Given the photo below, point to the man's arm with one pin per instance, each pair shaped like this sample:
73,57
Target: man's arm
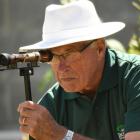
80,137
132,135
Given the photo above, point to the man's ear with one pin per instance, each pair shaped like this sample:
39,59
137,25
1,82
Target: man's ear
101,46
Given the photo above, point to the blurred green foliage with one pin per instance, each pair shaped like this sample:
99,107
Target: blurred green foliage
134,43
47,80
66,1
115,44
136,4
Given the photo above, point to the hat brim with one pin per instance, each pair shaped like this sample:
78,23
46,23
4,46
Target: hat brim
100,31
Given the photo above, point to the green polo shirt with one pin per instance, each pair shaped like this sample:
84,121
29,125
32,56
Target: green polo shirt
113,112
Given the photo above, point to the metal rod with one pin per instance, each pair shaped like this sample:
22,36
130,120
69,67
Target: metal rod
26,72
27,84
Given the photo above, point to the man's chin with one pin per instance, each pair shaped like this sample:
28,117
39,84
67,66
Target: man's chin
70,89
69,86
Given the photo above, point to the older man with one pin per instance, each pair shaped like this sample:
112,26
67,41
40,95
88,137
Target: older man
98,91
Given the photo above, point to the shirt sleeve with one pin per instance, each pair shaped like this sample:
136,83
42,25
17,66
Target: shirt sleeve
132,116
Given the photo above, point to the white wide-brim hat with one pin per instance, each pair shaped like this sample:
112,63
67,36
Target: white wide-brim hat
70,23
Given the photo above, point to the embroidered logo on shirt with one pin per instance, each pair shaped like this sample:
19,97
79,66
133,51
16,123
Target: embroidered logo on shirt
120,131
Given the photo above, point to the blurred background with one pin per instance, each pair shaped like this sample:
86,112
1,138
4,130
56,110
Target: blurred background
21,24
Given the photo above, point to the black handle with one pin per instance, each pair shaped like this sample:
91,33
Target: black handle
26,72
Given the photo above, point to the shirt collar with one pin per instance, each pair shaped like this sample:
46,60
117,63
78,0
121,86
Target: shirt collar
71,95
110,73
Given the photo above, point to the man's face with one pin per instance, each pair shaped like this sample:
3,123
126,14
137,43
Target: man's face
77,71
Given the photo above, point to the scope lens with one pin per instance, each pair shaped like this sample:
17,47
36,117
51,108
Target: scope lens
4,59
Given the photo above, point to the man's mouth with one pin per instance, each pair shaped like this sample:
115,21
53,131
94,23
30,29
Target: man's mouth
68,79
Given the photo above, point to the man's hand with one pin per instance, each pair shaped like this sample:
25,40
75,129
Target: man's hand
37,122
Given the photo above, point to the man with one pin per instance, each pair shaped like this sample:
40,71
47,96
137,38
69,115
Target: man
97,96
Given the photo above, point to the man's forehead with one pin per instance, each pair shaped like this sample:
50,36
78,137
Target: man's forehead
69,47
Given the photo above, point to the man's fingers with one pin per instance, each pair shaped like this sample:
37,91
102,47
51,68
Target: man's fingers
24,128
24,120
27,129
27,104
26,112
